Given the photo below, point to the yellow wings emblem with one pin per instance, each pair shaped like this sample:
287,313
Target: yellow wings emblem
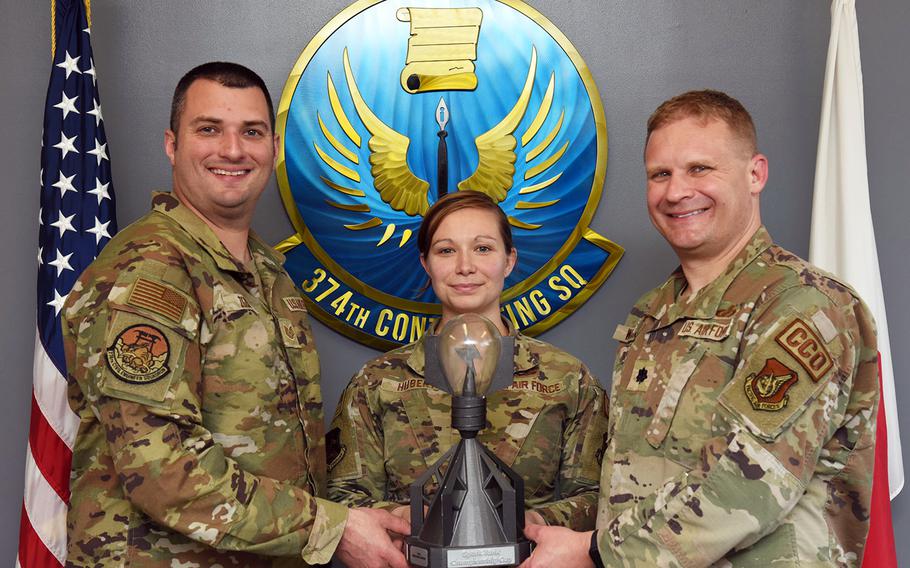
403,191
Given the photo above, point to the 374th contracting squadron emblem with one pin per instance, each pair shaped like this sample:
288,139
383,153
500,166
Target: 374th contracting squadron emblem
395,103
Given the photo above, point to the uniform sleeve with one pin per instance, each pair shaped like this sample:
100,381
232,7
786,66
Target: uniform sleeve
801,402
140,367
355,449
584,439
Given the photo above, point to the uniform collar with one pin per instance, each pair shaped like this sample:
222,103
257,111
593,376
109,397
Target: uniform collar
665,307
168,205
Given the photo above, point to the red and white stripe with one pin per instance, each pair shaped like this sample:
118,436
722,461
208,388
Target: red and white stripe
52,433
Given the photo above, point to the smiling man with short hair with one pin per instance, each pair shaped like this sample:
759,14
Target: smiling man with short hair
745,387
193,370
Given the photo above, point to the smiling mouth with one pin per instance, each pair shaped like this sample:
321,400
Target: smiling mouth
231,173
687,215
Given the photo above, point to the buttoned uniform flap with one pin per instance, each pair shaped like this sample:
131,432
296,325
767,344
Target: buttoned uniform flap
680,372
782,372
342,441
527,419
143,356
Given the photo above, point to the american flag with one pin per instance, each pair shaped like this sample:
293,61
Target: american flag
76,219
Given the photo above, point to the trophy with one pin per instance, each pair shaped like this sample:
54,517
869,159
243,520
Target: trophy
476,517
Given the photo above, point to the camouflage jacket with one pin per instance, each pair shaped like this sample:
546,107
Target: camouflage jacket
196,381
742,425
390,426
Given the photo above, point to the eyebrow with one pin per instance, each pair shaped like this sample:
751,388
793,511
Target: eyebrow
477,238
213,120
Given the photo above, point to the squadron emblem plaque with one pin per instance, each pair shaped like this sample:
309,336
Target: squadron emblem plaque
396,103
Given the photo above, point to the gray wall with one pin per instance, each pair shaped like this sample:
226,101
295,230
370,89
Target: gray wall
769,54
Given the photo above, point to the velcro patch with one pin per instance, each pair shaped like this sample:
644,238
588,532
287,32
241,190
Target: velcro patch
806,347
158,298
295,304
288,332
825,326
535,386
233,303
767,389
410,384
139,355
713,330
623,333
642,373
334,448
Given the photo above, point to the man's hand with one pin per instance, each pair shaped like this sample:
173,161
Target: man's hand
558,546
365,542
534,518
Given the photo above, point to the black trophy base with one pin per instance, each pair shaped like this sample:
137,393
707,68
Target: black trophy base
424,555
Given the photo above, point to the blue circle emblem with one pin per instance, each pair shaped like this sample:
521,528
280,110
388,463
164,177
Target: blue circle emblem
394,104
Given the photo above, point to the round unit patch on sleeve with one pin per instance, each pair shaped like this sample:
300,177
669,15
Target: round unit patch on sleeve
139,355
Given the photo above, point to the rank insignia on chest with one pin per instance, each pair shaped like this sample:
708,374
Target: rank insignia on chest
641,376
139,355
289,333
767,389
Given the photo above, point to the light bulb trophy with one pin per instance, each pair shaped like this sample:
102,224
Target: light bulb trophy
476,517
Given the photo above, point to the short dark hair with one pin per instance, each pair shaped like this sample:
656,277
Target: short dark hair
232,75
705,105
452,202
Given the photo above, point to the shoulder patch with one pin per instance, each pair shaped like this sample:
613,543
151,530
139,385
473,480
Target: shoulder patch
806,347
139,355
334,448
767,389
158,298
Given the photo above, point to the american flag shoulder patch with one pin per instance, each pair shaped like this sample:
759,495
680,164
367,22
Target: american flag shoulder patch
158,298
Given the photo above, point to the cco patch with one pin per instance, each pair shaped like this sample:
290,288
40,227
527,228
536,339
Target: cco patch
806,347
139,355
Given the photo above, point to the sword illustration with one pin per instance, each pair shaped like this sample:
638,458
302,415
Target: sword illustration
442,155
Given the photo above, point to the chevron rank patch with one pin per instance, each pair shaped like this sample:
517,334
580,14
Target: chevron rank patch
767,389
800,341
158,298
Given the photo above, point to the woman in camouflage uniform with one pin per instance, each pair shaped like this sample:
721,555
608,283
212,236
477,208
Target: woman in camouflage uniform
549,425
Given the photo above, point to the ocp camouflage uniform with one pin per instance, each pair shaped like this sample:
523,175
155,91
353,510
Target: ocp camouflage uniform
197,385
391,426
742,426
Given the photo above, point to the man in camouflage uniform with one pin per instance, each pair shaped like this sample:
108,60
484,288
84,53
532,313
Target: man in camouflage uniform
745,388
194,373
548,426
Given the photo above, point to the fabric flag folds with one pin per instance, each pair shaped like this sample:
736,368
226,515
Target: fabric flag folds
76,219
843,242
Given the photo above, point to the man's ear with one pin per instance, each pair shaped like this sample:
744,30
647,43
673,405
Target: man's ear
758,173
170,144
277,141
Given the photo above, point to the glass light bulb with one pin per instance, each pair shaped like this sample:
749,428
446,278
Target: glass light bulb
469,347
